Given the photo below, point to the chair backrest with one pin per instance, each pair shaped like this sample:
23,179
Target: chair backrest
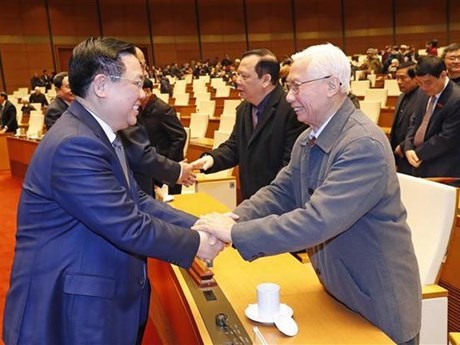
373,78
392,86
227,123
359,87
206,107
380,95
220,137
179,88
163,96
215,82
182,99
431,213
198,125
36,122
230,106
371,109
222,91
188,78
202,96
37,106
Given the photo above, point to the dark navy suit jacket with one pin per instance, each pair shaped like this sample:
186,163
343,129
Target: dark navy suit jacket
83,235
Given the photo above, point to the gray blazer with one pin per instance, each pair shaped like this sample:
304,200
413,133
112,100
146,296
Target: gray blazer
341,200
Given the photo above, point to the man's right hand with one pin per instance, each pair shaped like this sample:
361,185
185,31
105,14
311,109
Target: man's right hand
209,247
204,163
187,177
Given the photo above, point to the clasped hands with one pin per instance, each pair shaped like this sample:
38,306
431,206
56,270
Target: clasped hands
413,159
215,233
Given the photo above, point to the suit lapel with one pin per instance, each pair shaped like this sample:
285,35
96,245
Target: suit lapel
436,116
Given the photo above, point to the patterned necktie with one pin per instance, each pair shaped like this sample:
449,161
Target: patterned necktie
421,131
117,145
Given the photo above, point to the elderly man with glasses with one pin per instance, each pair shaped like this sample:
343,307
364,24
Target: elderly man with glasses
338,197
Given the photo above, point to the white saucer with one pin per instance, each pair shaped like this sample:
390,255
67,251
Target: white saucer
252,312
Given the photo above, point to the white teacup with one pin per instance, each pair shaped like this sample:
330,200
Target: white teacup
268,300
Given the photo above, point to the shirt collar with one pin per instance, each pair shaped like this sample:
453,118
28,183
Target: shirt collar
111,135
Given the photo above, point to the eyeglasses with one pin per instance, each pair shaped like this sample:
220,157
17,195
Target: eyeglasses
137,83
295,85
453,57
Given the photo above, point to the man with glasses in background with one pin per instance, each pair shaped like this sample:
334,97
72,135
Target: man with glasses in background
338,197
451,57
265,128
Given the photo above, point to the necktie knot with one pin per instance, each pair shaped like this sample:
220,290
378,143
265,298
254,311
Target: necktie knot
312,141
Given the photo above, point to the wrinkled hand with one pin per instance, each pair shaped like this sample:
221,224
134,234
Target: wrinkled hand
187,178
204,163
216,224
209,247
412,158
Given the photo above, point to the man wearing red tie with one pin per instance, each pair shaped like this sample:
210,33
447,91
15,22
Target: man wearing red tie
432,145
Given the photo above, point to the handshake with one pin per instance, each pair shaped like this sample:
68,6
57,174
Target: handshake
215,231
188,177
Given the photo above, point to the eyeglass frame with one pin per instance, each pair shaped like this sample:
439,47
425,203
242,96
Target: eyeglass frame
295,85
137,83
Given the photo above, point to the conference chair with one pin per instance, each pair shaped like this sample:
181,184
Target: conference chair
182,99
230,106
206,107
222,91
215,82
227,122
431,214
372,78
201,96
371,109
380,95
359,87
36,122
164,97
198,125
187,140
392,86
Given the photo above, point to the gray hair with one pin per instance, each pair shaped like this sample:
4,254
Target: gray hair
327,59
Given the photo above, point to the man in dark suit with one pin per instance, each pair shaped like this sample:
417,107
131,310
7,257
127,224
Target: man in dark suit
404,110
147,164
84,227
451,56
164,129
62,101
265,130
432,145
8,121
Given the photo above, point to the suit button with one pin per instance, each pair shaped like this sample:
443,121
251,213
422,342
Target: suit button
317,270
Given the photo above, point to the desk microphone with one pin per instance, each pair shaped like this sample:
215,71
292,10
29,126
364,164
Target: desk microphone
222,321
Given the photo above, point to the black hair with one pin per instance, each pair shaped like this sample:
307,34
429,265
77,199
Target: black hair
58,78
410,65
268,64
95,56
4,95
148,84
430,65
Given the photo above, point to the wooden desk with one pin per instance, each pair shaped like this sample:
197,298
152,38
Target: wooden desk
321,319
20,151
4,157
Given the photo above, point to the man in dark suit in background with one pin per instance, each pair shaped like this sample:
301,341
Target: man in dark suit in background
38,97
164,129
405,108
432,145
84,227
147,164
266,126
8,121
62,101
